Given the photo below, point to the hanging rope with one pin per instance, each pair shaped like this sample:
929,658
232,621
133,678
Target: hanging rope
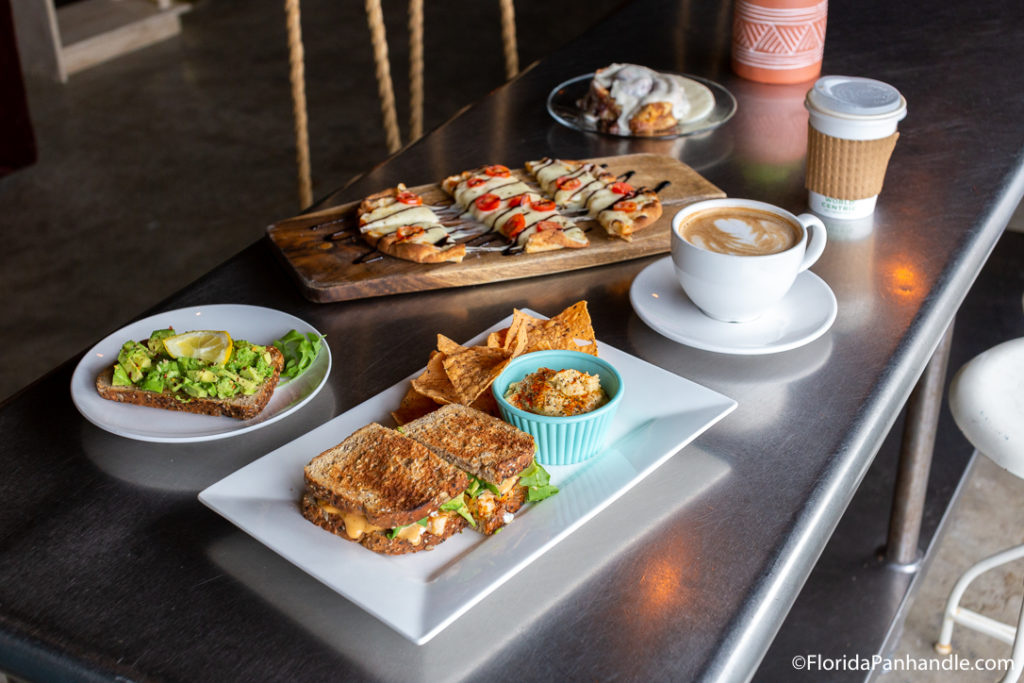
297,74
375,18
508,38
415,69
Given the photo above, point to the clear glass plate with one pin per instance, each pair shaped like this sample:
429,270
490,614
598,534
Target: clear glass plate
563,105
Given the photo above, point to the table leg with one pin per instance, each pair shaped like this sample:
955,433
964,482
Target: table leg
916,453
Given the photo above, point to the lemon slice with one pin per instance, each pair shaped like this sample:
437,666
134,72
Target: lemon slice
206,345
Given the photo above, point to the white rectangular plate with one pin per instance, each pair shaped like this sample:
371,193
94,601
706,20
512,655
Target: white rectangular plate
419,595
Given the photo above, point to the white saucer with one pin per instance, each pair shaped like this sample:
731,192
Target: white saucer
806,313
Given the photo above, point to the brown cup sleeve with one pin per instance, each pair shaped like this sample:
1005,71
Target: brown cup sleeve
847,169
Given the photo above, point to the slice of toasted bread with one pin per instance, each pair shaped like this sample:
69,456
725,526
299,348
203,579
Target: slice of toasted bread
378,541
387,478
239,407
480,444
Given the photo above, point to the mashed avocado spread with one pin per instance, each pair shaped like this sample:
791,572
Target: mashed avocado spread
147,365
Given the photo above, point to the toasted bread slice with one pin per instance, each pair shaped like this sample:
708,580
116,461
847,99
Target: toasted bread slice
239,407
485,446
388,479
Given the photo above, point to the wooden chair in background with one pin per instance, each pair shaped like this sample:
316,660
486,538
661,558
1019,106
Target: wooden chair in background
385,87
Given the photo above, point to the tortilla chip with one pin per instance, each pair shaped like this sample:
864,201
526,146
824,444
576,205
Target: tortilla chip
434,381
447,346
472,371
496,340
460,374
571,329
414,405
520,328
486,403
518,345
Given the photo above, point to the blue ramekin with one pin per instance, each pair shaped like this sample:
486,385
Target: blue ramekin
562,440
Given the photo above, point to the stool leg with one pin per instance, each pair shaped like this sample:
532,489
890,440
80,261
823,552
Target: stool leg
1018,651
953,604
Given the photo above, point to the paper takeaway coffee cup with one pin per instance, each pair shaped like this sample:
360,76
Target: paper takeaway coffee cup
851,135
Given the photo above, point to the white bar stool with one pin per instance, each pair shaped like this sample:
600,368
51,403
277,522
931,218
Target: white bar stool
986,398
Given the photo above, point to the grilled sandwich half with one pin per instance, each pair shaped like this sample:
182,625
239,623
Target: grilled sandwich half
497,456
385,491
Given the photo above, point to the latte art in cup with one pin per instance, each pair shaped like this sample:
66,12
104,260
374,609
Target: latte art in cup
740,231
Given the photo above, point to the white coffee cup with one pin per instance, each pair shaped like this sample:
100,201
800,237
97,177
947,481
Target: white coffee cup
748,262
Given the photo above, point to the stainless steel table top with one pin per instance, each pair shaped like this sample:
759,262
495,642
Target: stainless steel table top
110,566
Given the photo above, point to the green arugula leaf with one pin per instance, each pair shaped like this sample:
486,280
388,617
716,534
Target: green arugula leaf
537,482
477,486
535,493
458,505
299,350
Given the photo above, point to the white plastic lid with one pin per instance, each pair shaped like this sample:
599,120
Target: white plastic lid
854,96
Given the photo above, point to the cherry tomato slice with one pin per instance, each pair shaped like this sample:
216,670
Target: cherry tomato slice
621,188
568,183
542,205
548,225
408,231
514,225
410,198
625,205
488,202
497,171
476,180
516,200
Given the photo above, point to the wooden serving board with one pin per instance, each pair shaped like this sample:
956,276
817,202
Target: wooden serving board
332,269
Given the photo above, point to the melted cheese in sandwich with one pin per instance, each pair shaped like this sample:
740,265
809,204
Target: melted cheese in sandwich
436,524
356,523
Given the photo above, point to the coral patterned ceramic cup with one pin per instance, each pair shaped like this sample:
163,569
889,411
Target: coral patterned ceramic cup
778,41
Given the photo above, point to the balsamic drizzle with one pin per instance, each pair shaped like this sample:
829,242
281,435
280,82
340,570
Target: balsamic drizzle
365,257
485,238
662,185
340,219
342,235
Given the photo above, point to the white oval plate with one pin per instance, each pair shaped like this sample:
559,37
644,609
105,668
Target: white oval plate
806,313
252,323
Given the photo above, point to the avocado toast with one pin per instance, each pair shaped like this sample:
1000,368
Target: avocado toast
238,384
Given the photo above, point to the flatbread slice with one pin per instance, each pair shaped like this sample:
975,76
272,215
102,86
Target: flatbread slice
502,202
397,223
620,208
